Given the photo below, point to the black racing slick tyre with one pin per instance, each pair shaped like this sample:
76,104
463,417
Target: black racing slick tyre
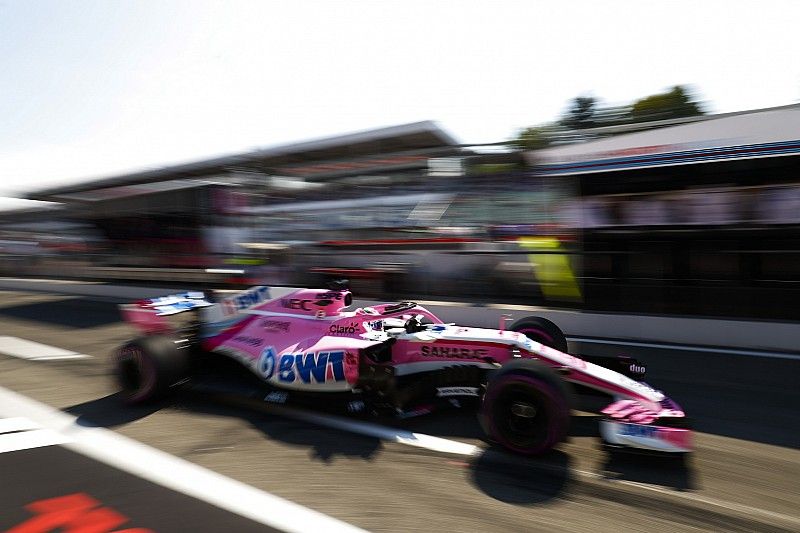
542,331
526,407
147,368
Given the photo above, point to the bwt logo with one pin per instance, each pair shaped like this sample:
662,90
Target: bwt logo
245,300
311,367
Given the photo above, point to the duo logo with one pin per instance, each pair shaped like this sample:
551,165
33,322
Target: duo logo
311,367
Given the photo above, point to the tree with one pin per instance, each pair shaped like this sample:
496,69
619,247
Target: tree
533,138
675,103
585,112
580,114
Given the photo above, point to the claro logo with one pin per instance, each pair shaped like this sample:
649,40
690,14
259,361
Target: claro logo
347,329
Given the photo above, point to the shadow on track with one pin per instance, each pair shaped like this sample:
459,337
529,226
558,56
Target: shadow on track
70,312
499,474
521,481
324,444
673,472
109,412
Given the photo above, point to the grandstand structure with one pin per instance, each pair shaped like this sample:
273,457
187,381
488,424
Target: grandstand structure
174,212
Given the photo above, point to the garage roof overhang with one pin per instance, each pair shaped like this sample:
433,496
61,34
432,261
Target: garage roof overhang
748,135
416,137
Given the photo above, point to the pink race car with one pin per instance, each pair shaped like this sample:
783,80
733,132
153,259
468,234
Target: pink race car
398,357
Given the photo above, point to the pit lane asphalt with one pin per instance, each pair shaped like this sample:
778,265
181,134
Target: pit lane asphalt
744,408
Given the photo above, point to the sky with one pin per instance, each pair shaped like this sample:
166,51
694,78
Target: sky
92,89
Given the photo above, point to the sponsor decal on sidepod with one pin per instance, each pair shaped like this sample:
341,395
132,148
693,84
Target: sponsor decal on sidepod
275,325
453,352
346,329
251,341
311,367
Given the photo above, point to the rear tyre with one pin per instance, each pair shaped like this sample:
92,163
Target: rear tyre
147,368
542,331
526,407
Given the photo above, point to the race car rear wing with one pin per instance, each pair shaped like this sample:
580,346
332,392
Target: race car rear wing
176,303
150,315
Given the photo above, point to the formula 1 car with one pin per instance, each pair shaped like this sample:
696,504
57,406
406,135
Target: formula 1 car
398,357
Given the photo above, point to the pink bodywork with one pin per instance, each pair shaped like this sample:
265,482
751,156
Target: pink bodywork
307,341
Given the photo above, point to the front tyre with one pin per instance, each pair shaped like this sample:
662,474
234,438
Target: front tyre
526,408
542,331
147,368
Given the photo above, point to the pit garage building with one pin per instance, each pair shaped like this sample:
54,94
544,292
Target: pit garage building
701,217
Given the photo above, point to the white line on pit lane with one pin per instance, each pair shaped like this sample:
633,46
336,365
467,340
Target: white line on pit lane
159,467
419,440
26,440
17,423
688,348
20,433
34,351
